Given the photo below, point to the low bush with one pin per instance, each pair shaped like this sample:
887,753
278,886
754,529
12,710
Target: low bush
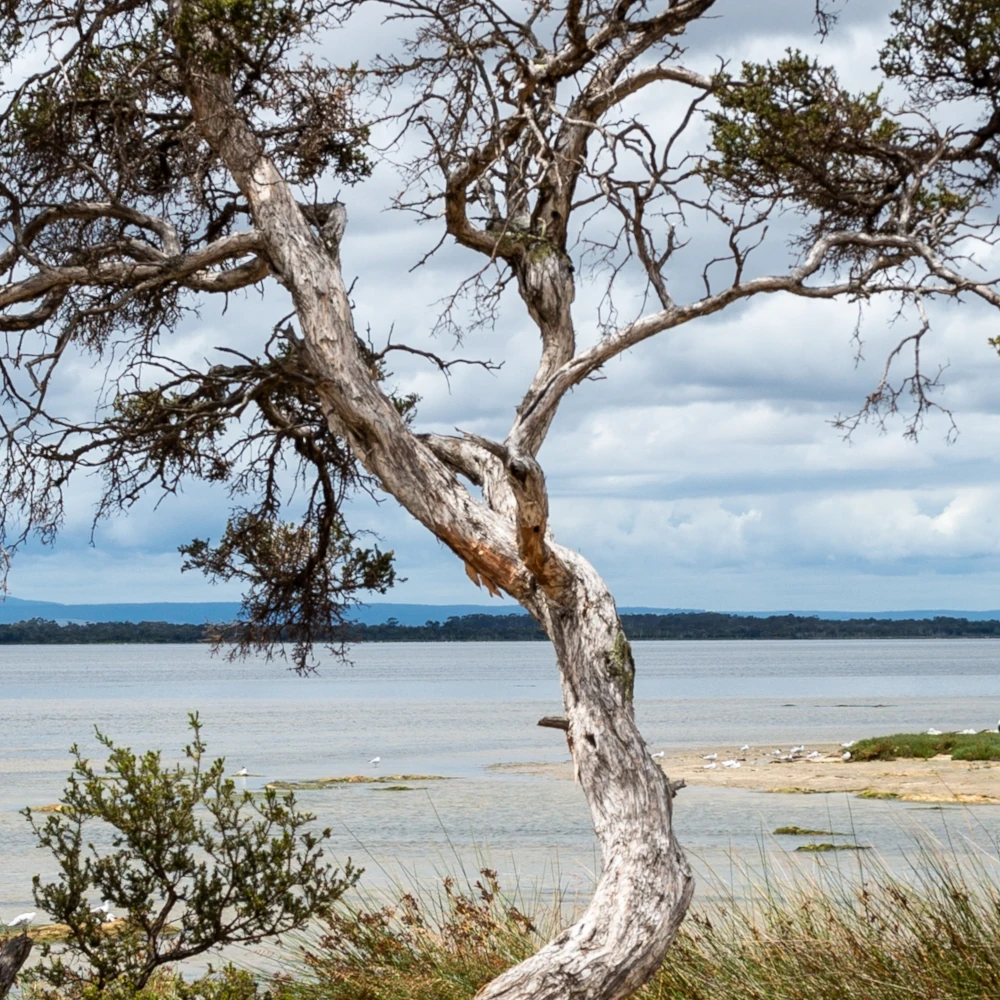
978,746
187,863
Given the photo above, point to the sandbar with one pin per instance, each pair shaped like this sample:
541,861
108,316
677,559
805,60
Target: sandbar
939,779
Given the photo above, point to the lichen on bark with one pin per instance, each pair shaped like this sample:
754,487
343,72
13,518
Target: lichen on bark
621,665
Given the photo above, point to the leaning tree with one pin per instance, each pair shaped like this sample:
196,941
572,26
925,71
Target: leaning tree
156,152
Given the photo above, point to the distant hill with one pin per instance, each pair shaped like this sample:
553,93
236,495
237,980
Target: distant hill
198,613
15,609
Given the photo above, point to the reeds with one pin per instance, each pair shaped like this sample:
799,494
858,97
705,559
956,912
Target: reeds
857,931
443,947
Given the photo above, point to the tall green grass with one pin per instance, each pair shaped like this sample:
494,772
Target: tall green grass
842,933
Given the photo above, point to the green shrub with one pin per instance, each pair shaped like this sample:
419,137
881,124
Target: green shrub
186,862
978,746
229,983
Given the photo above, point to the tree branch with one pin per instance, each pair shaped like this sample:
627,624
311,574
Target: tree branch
192,270
903,248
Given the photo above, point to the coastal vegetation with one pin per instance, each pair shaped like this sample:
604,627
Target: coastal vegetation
156,156
798,831
959,746
315,784
777,933
523,628
772,934
775,937
823,848
158,864
38,631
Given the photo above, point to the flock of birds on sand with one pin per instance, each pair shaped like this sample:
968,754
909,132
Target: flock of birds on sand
799,752
795,753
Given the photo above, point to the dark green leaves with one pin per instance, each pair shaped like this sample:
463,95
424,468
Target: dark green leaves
945,50
111,120
299,579
788,131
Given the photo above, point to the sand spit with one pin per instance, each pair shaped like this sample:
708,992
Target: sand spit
938,780
313,784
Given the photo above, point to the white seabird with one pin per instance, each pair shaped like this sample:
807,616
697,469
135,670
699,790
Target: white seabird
22,919
846,755
376,761
658,754
709,767
242,772
710,756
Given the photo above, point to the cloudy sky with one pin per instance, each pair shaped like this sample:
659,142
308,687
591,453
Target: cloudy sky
703,471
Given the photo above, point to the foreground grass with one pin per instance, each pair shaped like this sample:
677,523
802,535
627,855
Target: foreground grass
978,746
855,932
829,938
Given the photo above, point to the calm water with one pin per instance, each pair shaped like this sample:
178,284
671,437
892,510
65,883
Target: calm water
455,710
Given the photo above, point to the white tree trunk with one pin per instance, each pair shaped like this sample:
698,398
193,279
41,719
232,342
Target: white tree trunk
645,885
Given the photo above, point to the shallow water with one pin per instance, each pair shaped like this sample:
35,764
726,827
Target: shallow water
455,709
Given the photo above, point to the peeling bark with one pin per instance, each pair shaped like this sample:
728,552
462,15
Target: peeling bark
645,884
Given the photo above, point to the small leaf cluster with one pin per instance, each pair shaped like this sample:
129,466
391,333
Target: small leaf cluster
787,131
299,579
185,860
945,50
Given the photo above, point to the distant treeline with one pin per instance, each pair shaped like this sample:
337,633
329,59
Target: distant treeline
37,631
696,625
522,628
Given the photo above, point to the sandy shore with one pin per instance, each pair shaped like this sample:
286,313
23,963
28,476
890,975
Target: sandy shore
939,779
